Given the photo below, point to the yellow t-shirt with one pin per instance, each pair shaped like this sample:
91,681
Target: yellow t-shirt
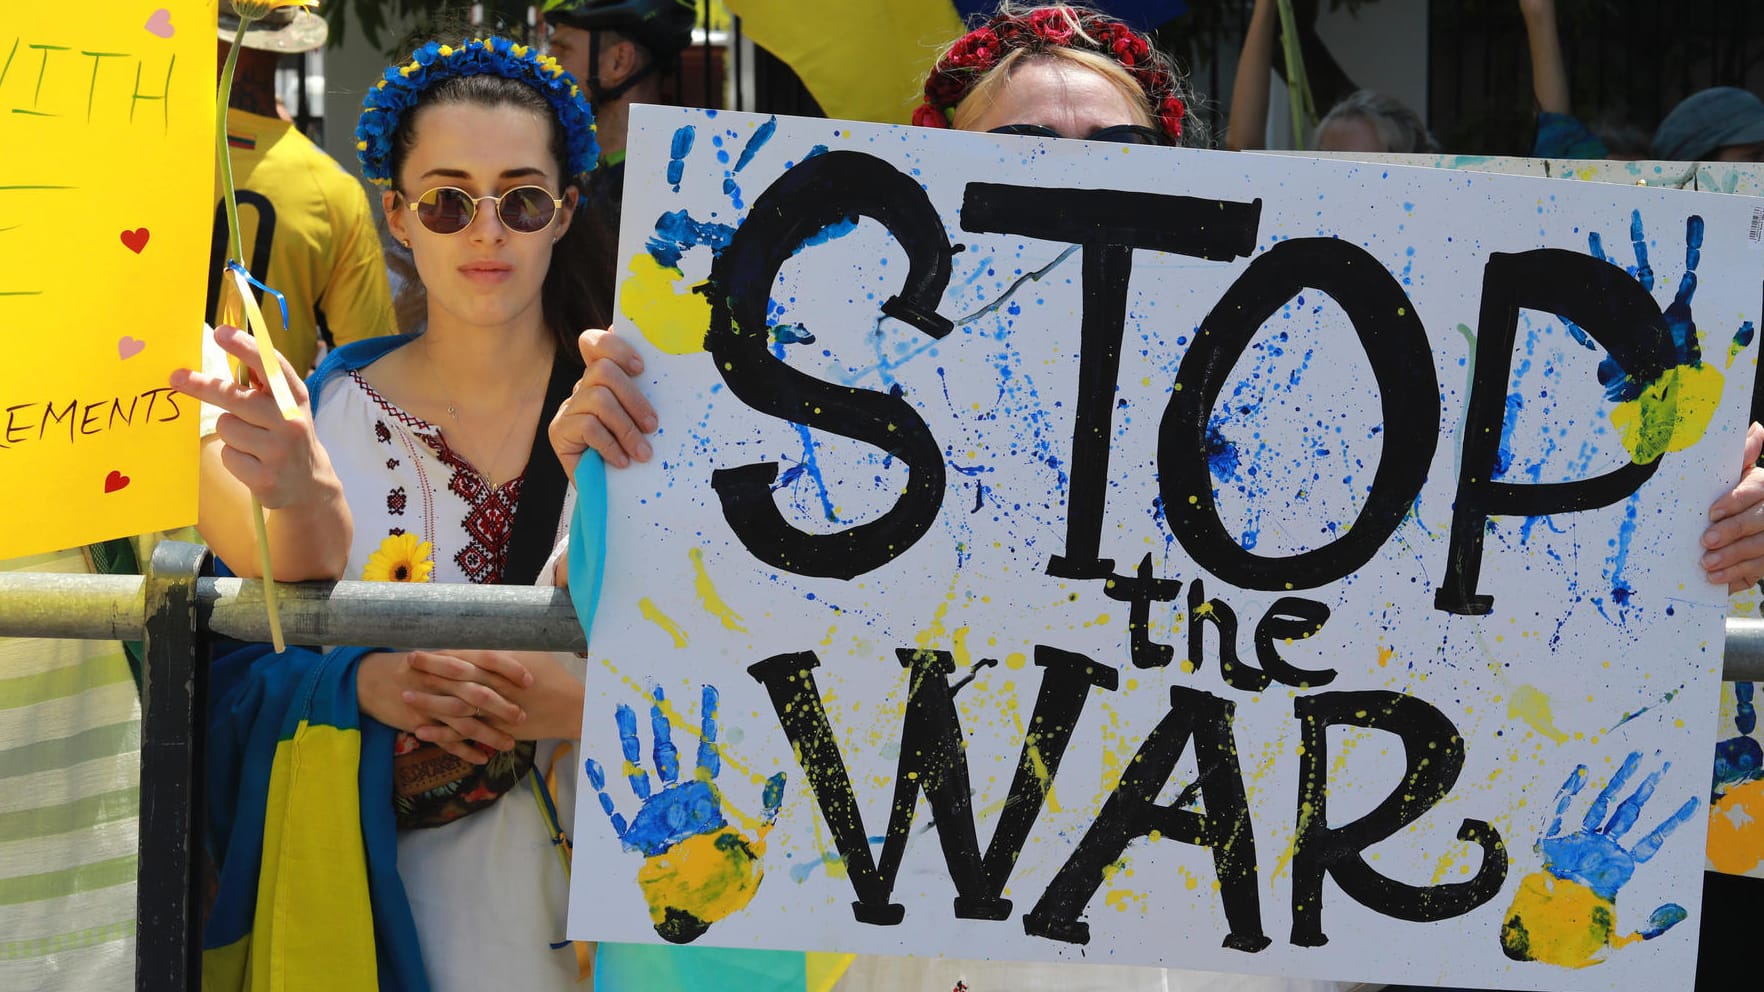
309,234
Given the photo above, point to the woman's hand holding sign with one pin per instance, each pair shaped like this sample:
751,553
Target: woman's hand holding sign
606,411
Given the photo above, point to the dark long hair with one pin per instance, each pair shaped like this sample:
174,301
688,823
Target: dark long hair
575,295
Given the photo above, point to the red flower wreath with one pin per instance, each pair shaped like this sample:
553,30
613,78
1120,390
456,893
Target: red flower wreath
977,52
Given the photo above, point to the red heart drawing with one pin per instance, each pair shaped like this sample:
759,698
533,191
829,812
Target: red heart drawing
160,24
136,240
128,347
115,481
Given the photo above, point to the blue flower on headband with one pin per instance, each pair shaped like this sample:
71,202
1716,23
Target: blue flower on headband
402,86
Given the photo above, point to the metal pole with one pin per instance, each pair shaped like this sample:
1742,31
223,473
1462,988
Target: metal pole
168,902
404,616
383,614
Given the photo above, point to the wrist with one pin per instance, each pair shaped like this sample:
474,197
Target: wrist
315,531
565,719
370,679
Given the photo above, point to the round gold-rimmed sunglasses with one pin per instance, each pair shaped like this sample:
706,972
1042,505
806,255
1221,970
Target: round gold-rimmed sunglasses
450,210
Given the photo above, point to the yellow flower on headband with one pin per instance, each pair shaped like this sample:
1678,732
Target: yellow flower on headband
400,558
446,51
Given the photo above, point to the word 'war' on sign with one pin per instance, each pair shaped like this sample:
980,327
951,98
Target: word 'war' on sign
934,760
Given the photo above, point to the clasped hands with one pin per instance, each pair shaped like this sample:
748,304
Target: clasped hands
457,700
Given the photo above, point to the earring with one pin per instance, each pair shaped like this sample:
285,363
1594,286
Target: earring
406,242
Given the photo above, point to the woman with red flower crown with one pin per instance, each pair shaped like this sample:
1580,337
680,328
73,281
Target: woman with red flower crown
1059,70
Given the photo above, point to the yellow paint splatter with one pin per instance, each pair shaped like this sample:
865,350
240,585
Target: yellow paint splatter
1039,768
1284,861
668,318
1015,660
1531,705
963,658
1671,413
654,615
935,634
707,594
1384,655
1121,900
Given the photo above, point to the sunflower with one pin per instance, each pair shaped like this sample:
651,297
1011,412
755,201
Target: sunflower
400,558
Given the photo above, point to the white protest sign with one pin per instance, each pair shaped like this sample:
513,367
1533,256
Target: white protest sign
1066,551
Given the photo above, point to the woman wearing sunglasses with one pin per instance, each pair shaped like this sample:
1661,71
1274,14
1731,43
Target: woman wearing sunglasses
395,807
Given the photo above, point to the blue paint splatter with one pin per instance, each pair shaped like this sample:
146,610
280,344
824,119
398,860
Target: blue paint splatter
1221,453
791,334
682,147
756,141
838,229
1621,590
800,873
676,231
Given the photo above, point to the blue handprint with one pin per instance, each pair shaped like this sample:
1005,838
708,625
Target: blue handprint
697,869
1669,409
1565,914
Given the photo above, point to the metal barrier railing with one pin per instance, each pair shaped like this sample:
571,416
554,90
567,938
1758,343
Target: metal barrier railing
176,609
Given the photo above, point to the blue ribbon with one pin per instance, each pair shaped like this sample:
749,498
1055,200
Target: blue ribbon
281,300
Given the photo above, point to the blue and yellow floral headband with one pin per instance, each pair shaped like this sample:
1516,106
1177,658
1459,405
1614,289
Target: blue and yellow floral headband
403,86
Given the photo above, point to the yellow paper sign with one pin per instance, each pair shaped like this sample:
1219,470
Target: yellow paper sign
106,211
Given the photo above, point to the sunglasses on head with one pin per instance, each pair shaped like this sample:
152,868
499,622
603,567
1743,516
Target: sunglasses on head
1121,134
450,210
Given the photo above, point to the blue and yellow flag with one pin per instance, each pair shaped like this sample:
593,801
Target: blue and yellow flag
301,831
866,60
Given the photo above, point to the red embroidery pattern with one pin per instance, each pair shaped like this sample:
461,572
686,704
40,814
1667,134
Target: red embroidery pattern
489,516
489,519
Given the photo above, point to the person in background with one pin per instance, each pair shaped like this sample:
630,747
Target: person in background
617,50
1720,124
308,230
1363,121
1367,121
1560,134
